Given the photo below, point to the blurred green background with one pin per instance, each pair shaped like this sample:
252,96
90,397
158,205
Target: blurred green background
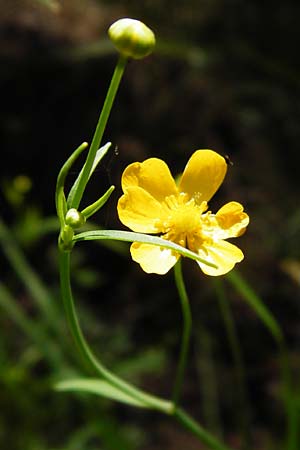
226,76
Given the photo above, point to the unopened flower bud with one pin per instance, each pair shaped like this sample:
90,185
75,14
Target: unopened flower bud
132,38
74,218
65,238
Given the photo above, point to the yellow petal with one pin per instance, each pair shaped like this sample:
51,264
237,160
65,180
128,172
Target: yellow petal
153,259
153,175
221,253
232,220
139,211
203,175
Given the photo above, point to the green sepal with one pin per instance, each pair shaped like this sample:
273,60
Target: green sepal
130,236
94,207
98,387
98,157
60,199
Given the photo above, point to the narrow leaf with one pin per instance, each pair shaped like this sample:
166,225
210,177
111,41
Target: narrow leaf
92,209
130,236
236,280
97,387
99,155
60,199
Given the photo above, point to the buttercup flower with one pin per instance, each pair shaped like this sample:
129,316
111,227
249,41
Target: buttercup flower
152,203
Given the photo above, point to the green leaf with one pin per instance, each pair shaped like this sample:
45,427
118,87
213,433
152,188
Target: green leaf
130,236
92,209
98,157
236,280
60,200
98,387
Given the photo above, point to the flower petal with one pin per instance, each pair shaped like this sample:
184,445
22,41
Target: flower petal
232,220
203,175
153,175
139,211
153,259
221,253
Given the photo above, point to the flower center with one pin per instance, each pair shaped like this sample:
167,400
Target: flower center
184,219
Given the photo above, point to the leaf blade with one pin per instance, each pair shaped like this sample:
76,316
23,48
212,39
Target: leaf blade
130,236
97,387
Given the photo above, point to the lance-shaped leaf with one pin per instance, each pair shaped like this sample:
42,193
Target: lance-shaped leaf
99,155
98,387
60,200
139,237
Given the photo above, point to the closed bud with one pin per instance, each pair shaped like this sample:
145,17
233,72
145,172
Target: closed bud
65,238
74,218
132,38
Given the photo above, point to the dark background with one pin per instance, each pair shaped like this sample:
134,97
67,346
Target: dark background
225,75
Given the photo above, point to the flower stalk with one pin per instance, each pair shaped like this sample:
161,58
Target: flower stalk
195,428
243,410
100,128
186,332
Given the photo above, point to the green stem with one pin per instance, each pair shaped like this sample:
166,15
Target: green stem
204,436
243,408
84,349
186,333
110,96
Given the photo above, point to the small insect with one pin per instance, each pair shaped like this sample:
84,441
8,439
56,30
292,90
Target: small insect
228,160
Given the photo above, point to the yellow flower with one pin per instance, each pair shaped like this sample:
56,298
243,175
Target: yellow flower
152,203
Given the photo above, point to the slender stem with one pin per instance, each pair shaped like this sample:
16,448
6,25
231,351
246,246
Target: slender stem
204,436
243,408
110,96
84,349
186,332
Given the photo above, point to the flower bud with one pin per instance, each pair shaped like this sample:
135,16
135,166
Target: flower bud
65,238
74,218
132,38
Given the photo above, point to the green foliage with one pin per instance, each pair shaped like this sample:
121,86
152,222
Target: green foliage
224,73
36,352
97,387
